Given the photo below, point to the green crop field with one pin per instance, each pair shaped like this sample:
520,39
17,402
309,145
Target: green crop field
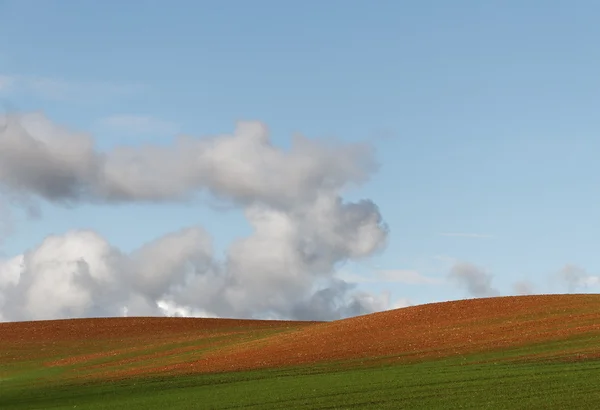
550,372
433,384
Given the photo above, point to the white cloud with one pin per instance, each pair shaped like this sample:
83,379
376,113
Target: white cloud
576,278
402,303
244,167
302,227
78,274
590,281
10,271
172,309
476,281
66,276
523,287
138,124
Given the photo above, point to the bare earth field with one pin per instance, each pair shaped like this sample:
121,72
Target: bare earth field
518,330
98,347
135,346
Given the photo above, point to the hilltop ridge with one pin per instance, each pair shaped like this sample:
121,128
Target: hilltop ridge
119,347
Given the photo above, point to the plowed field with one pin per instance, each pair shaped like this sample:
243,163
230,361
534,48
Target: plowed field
133,346
427,331
510,337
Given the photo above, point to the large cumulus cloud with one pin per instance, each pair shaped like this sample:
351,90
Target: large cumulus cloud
55,163
303,229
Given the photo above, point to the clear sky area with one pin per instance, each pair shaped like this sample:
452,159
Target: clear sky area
301,160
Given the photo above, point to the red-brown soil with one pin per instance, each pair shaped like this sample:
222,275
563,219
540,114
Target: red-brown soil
77,341
124,327
426,331
433,330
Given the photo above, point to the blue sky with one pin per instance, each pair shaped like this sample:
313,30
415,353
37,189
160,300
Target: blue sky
483,116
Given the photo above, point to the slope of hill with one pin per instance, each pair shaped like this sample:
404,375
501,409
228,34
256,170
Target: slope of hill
134,346
426,331
88,347
523,352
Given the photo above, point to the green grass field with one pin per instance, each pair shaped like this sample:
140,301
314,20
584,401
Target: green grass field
551,373
540,376
450,383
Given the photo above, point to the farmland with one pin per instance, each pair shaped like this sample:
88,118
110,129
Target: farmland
510,352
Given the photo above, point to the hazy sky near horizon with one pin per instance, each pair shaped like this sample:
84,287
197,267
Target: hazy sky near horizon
309,160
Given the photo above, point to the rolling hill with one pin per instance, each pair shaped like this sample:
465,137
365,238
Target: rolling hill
518,330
